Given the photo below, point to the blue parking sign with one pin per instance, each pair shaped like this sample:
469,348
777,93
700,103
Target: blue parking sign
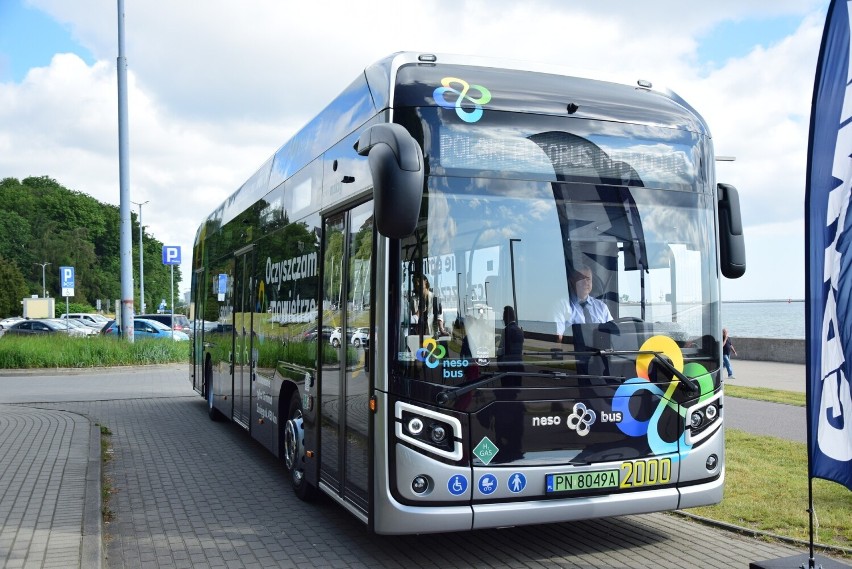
66,278
171,255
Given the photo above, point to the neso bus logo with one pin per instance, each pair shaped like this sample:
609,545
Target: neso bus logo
431,353
580,420
461,96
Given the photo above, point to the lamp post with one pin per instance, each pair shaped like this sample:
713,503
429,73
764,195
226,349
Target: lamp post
512,264
43,282
141,271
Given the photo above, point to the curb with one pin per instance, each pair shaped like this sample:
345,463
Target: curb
833,549
92,552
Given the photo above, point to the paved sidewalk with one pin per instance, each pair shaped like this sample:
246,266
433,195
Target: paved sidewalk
50,493
787,377
50,482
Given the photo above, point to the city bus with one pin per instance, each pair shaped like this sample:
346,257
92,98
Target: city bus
449,209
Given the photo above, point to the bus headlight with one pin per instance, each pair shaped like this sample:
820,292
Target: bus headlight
696,419
703,419
429,430
415,426
439,433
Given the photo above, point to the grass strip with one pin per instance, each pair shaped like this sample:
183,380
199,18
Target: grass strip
766,489
764,394
58,351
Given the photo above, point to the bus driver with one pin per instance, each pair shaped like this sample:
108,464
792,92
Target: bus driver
582,308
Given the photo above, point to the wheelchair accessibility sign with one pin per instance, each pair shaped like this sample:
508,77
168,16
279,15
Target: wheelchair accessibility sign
457,485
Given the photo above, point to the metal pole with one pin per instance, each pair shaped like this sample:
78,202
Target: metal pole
43,279
173,301
512,263
141,270
126,235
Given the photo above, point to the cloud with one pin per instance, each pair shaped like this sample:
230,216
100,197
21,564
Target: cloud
214,91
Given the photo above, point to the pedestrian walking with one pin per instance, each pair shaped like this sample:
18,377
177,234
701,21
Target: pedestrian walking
727,350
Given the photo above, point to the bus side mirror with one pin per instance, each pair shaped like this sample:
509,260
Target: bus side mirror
396,163
731,241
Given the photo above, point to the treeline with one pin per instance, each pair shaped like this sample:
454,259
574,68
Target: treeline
41,221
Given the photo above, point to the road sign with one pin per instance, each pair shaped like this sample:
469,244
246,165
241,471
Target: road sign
66,277
171,255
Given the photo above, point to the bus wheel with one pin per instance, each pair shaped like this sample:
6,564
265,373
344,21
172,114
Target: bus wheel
294,450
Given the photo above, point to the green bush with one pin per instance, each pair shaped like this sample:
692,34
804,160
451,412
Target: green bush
74,307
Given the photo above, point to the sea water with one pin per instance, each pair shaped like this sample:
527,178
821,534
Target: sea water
743,319
779,319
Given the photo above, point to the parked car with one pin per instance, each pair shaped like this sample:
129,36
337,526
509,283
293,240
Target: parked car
79,325
181,322
41,326
312,334
145,328
92,320
7,322
207,325
361,337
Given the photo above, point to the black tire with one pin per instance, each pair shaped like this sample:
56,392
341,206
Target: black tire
336,343
357,342
294,451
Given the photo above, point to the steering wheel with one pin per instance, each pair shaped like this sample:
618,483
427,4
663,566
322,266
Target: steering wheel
627,319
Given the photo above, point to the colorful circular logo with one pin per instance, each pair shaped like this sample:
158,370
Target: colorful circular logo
459,90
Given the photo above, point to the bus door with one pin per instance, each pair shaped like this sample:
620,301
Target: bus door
197,316
346,379
244,360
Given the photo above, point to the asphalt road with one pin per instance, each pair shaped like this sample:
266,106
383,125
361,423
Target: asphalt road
189,492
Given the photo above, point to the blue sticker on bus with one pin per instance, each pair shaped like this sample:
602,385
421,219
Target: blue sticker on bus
457,485
517,482
487,484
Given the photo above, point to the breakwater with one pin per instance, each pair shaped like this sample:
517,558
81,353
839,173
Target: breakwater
783,350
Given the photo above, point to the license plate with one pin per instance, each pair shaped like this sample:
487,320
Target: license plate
579,481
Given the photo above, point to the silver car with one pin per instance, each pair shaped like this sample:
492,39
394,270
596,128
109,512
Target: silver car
41,326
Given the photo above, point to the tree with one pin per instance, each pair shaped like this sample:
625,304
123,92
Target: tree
42,221
14,289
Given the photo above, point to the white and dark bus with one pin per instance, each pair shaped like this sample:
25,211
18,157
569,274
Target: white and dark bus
396,294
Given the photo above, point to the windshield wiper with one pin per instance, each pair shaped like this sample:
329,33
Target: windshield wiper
690,383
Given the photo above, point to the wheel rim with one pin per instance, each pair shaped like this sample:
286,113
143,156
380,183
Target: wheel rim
293,445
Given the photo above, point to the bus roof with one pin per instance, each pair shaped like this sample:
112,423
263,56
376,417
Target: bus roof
410,79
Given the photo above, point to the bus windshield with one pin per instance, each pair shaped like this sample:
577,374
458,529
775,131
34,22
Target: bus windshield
537,223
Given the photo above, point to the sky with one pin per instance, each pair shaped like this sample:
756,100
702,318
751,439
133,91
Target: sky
214,91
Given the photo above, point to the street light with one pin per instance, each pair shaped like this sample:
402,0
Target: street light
141,273
512,263
43,285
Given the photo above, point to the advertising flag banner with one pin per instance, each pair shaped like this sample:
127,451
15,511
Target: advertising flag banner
828,246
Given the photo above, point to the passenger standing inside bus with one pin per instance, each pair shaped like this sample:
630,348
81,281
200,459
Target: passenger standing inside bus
582,308
427,317
511,351
727,350
512,340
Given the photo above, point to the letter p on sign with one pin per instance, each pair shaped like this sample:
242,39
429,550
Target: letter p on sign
171,255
